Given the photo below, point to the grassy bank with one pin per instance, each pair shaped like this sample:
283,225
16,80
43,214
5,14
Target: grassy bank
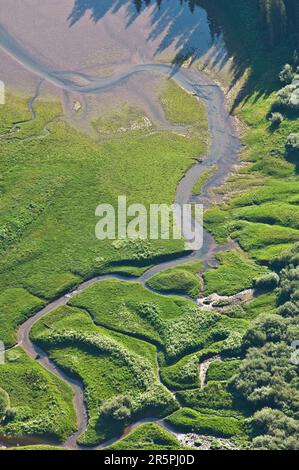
40,404
119,373
148,436
183,279
176,325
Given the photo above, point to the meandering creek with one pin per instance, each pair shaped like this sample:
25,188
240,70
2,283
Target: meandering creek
223,153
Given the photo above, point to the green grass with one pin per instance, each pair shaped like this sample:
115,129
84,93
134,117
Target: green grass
262,212
16,306
117,304
206,174
41,403
265,303
282,214
17,110
47,234
214,398
48,246
188,420
110,365
177,325
273,190
234,274
148,436
216,221
222,370
125,118
58,182
184,374
46,112
253,237
261,141
183,108
182,279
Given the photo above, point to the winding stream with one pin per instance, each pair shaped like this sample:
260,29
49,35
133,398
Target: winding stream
224,154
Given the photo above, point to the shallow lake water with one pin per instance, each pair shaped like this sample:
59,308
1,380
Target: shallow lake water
101,38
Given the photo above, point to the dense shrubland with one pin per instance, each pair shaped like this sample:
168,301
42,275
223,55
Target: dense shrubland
289,284
268,378
4,404
273,430
267,282
103,359
292,145
262,217
184,374
262,385
215,398
288,97
223,370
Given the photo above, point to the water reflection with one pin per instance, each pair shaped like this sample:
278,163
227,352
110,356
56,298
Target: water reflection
183,25
143,31
98,9
187,24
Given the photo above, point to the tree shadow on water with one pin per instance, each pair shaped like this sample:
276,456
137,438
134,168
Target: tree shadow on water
179,24
97,8
193,26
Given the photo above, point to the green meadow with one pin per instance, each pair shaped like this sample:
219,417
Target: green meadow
206,174
17,305
48,246
40,404
119,373
262,212
188,420
147,436
47,234
176,325
183,108
131,347
234,274
115,335
138,349
183,279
